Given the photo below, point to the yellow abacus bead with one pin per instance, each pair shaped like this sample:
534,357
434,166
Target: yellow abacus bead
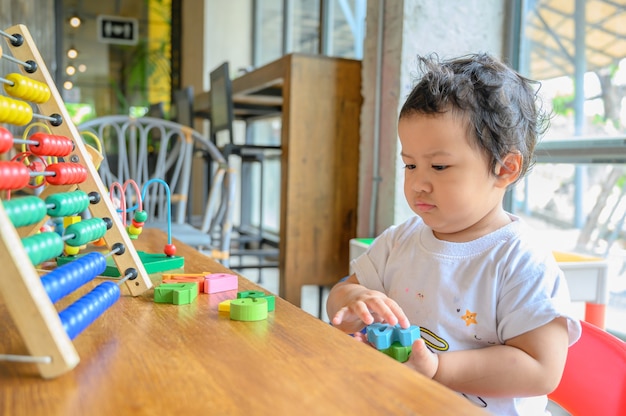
71,251
15,111
4,110
25,114
44,93
8,110
39,180
132,230
27,89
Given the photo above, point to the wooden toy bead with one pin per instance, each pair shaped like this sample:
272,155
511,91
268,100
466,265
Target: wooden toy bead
24,211
85,231
14,175
170,250
65,279
71,251
66,173
67,203
14,111
85,310
6,140
42,247
132,230
137,224
50,145
27,89
141,216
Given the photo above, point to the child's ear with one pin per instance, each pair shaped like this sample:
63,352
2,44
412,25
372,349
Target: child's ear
509,170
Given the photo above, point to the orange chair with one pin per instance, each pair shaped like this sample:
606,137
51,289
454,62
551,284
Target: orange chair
594,381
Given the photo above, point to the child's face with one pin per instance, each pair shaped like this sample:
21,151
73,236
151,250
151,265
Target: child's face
447,181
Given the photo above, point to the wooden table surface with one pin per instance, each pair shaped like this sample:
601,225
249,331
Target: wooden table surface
144,358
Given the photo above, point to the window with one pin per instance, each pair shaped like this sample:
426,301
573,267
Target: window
576,192
327,27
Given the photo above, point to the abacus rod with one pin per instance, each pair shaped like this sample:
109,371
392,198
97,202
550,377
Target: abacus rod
6,35
125,278
7,81
25,141
17,61
117,249
43,117
33,173
25,358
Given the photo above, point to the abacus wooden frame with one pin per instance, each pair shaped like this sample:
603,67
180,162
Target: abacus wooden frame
33,313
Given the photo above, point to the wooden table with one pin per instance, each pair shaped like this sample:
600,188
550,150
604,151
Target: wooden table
319,100
144,358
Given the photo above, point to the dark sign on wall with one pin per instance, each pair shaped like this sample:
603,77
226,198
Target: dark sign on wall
117,29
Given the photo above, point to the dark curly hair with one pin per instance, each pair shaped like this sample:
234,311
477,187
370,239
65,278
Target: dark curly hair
501,106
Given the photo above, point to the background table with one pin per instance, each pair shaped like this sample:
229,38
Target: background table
161,359
319,101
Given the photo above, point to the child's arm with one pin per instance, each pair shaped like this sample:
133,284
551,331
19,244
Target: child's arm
351,307
530,364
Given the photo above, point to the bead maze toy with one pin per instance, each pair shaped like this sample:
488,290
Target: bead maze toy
153,262
69,186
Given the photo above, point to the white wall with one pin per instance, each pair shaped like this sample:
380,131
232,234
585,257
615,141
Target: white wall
410,28
228,35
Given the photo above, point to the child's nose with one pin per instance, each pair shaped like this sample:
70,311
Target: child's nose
420,182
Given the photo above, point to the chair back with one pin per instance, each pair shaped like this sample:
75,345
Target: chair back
594,381
221,104
130,152
183,106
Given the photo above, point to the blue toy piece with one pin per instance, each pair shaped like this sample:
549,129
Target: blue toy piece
382,336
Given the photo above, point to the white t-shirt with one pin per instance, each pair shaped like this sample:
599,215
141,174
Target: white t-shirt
470,295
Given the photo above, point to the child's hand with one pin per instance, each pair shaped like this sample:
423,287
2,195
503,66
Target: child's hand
422,360
369,306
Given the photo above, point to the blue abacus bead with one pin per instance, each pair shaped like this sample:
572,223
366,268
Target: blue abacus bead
80,314
63,280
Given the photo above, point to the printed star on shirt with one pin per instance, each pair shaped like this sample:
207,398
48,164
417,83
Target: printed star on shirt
469,317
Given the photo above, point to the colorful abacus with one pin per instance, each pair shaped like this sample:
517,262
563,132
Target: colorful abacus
62,167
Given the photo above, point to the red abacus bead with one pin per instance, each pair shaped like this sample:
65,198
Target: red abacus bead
66,173
6,140
50,145
170,250
14,175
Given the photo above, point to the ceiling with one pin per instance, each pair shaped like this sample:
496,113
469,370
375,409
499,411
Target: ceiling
550,29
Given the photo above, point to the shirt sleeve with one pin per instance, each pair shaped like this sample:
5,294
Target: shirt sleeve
535,293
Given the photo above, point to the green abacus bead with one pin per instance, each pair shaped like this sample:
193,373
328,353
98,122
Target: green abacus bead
25,210
85,231
43,246
67,204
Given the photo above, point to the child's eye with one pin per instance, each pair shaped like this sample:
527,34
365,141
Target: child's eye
439,167
409,167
